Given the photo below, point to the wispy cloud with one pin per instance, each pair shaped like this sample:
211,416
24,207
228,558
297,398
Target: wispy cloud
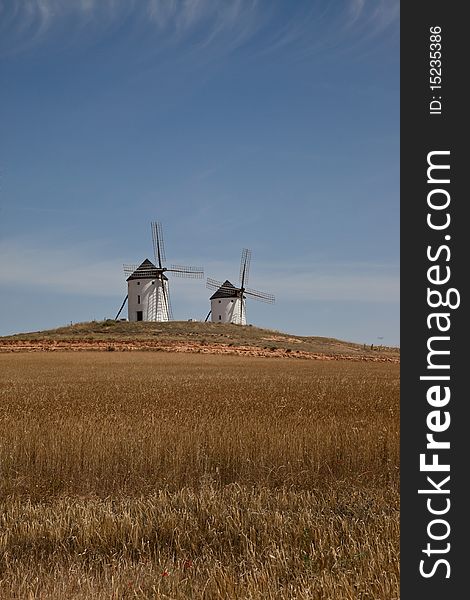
74,269
26,22
373,16
80,269
306,26
342,283
321,26
306,281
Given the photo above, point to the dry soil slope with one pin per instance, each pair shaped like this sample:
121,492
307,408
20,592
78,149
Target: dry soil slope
188,336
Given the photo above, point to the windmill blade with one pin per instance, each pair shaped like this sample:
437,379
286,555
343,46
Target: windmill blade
166,297
242,308
158,243
129,269
149,272
182,271
213,284
261,296
245,266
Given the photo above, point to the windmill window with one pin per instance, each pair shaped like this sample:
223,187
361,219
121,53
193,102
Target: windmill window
138,283
220,301
138,299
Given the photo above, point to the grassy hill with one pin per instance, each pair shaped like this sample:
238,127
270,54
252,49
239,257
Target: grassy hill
119,334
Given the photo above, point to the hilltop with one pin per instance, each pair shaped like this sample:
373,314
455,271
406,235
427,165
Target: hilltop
191,336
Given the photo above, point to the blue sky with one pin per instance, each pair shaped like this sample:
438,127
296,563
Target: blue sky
271,125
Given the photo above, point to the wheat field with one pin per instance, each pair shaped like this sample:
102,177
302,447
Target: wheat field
185,476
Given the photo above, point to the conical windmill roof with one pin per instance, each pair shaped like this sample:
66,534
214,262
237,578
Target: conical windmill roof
226,290
147,270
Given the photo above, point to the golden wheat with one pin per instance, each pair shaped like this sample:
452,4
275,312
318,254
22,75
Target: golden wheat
130,475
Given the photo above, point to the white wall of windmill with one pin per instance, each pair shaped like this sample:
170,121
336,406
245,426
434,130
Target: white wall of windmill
142,298
228,310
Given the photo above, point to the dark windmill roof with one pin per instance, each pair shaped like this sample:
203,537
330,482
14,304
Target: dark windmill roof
147,270
226,290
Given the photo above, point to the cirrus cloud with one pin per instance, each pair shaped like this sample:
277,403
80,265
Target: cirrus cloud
305,25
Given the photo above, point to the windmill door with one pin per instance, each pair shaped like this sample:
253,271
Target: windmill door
140,315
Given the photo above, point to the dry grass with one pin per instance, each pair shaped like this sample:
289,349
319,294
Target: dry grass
184,332
195,476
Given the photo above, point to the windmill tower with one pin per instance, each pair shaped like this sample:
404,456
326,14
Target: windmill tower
148,294
228,303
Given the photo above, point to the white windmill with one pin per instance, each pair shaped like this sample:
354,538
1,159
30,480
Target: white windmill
148,294
228,303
